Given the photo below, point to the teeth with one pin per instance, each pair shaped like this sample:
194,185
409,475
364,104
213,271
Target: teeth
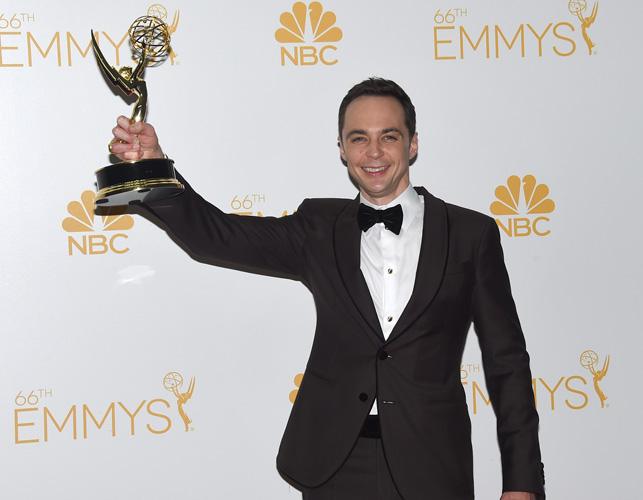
374,169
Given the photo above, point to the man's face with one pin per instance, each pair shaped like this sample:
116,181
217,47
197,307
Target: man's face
375,144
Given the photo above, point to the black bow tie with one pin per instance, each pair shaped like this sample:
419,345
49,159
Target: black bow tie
391,217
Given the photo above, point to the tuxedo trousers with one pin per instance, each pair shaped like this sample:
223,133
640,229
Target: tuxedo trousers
364,476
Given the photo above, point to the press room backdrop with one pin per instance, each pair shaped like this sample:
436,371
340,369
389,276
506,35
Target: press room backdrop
128,370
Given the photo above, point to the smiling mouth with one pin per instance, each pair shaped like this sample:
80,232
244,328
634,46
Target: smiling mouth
374,170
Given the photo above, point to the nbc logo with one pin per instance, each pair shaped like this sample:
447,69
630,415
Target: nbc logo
83,219
304,26
293,394
534,202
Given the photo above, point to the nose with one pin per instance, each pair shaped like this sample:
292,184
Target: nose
374,150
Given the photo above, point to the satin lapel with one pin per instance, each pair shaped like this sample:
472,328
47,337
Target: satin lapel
347,241
432,262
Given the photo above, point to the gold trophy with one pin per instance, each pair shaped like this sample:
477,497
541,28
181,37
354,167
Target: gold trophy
132,182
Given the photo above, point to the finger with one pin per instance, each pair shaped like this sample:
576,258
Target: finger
124,122
117,147
125,151
124,136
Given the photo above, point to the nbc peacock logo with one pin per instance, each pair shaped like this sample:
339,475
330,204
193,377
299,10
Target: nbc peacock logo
85,222
297,380
308,33
524,202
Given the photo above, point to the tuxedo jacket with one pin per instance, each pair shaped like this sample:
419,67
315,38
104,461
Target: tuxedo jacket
414,374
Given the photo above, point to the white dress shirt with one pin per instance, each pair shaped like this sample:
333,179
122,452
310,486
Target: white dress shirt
389,261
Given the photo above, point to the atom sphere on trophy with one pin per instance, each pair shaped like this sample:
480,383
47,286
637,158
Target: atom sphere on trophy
150,39
588,359
173,380
577,6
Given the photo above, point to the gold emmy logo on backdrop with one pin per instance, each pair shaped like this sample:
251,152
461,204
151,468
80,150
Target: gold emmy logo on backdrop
589,361
534,201
83,219
159,11
304,25
131,182
578,8
293,394
173,382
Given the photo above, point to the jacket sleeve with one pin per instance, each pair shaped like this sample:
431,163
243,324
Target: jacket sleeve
506,368
258,244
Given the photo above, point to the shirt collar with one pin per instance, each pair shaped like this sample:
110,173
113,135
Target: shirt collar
410,201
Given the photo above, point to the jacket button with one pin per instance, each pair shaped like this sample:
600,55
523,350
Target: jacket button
363,397
383,355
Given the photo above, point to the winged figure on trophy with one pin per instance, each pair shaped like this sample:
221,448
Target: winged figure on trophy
589,360
133,182
578,8
173,382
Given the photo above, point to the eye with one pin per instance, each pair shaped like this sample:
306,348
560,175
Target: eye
358,139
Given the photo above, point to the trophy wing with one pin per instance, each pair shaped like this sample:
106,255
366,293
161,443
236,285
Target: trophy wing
190,389
594,12
111,72
175,23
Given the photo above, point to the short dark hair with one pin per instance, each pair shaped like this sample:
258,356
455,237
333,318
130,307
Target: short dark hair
379,87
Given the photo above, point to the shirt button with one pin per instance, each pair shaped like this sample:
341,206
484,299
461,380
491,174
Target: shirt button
390,271
389,319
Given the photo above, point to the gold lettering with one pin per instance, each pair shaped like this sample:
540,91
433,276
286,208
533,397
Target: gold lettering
552,391
97,244
73,243
508,230
308,53
560,37
570,389
321,55
17,425
484,34
154,414
131,416
117,47
521,223
437,41
534,226
294,58
476,389
72,413
113,248
86,412
521,32
71,39
540,38
2,63
55,39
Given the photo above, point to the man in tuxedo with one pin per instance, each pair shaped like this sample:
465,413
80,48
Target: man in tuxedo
397,277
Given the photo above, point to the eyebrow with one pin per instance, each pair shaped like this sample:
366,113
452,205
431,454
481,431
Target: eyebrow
382,132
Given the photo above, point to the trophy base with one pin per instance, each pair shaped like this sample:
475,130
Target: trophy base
133,182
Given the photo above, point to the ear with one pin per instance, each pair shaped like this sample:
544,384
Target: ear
340,144
413,149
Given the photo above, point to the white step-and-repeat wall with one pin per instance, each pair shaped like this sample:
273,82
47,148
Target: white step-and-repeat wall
527,111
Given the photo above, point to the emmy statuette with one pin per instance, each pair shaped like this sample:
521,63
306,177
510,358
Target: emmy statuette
132,182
